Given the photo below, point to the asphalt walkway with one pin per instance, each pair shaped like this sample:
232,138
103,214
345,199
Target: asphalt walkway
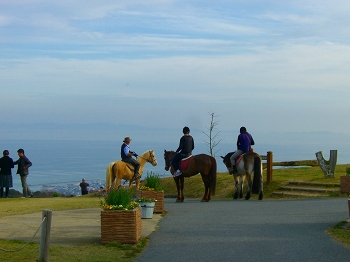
251,230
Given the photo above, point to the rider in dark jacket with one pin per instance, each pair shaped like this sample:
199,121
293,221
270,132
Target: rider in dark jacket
184,150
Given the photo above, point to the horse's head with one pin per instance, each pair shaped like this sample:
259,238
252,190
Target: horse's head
168,155
227,161
152,158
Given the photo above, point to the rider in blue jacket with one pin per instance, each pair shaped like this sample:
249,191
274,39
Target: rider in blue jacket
244,143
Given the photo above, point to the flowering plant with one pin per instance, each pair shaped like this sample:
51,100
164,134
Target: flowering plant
148,200
152,182
119,199
146,188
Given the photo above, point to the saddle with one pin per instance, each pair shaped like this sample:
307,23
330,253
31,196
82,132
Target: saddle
184,162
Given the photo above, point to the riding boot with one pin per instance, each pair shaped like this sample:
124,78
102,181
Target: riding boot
137,176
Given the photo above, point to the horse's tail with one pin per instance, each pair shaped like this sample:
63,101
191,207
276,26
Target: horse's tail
109,172
257,175
212,176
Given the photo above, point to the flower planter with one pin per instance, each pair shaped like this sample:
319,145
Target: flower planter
123,226
345,184
157,195
147,209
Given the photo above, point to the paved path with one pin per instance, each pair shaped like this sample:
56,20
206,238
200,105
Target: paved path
248,231
69,227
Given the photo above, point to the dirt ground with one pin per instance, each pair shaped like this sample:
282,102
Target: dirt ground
69,227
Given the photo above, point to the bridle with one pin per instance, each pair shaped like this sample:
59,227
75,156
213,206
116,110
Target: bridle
151,159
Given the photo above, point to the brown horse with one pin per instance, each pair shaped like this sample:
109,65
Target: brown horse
203,164
118,170
250,162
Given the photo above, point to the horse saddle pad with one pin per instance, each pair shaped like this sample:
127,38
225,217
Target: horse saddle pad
184,162
239,159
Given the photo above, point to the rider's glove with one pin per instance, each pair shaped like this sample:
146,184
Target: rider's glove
136,155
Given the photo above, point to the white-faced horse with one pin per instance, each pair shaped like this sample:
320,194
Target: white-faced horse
248,163
119,170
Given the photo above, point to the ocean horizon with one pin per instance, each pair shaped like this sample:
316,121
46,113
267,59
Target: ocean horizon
67,162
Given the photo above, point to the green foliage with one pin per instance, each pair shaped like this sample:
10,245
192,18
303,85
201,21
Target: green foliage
341,233
153,181
146,200
347,171
56,194
119,199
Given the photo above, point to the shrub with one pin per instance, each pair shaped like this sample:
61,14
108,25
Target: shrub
152,182
119,199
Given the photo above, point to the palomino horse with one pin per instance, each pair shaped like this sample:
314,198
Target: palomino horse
203,164
119,170
249,163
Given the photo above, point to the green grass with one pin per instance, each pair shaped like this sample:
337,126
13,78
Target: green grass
120,252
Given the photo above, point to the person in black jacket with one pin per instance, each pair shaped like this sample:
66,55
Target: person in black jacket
23,165
184,150
6,164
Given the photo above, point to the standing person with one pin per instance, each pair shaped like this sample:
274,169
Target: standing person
126,155
184,150
84,186
23,170
244,143
6,164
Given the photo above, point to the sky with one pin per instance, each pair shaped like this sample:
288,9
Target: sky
103,70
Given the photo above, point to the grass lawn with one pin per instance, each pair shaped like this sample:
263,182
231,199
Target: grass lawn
119,252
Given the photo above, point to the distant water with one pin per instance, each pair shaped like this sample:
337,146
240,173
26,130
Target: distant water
67,162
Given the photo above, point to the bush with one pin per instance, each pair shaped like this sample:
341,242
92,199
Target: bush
119,199
152,181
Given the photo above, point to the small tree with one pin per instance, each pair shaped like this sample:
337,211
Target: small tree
213,138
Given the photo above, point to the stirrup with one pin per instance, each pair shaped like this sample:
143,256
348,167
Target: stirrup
137,176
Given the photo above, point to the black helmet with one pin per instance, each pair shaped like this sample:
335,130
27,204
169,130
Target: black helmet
243,130
185,130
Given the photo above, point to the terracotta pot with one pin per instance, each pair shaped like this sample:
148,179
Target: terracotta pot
123,226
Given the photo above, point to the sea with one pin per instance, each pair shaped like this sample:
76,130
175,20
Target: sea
61,165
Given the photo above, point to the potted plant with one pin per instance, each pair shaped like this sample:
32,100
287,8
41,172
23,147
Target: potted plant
152,189
147,206
345,181
120,217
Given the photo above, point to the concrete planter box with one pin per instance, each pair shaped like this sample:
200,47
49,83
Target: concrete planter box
123,226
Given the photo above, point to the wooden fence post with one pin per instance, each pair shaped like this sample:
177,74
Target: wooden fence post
269,165
45,236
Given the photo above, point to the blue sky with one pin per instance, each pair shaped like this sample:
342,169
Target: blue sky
109,69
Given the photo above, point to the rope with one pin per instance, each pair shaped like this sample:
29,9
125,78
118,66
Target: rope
27,242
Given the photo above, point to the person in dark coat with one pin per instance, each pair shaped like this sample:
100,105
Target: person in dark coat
84,186
23,170
6,164
184,150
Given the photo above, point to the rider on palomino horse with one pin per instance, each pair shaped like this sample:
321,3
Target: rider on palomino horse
244,143
126,156
184,150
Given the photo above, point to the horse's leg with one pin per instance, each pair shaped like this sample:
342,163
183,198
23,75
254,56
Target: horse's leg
182,184
177,182
206,196
261,189
235,195
250,183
